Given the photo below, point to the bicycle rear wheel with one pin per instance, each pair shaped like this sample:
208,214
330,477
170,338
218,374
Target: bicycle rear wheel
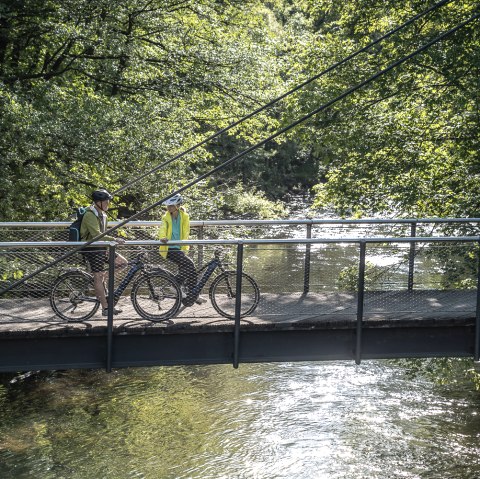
156,296
223,294
73,296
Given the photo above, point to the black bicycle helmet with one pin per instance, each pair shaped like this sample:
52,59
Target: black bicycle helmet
101,195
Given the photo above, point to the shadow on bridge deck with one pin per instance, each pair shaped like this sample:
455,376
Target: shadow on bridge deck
291,311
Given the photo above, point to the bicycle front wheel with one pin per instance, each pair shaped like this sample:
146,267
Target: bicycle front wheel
223,294
73,296
156,296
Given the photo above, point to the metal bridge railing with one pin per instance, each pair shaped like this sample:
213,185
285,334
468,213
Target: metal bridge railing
344,279
257,229
211,229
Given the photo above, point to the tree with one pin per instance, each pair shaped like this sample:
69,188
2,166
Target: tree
94,93
408,143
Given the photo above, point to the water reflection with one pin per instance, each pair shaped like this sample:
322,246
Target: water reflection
329,420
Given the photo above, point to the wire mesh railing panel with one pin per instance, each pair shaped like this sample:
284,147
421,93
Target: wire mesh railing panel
359,230
444,280
30,233
250,231
30,301
278,268
387,266
333,267
280,271
281,281
443,266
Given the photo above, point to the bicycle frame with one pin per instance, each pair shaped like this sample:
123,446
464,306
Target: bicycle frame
209,268
135,268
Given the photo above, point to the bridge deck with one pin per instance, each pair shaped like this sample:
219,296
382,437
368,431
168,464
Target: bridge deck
285,327
20,317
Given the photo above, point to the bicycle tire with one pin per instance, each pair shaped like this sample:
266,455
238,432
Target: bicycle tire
73,296
156,291
223,291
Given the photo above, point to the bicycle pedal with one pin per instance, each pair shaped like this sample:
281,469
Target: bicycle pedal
187,302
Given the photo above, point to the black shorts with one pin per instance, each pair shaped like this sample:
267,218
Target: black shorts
96,257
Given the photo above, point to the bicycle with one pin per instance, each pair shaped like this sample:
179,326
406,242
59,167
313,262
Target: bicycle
222,291
156,294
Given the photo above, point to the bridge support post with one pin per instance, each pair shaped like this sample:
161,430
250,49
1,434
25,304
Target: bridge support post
200,247
306,274
360,301
111,303
411,256
476,356
238,305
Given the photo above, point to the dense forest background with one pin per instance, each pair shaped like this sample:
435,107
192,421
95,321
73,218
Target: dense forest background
95,93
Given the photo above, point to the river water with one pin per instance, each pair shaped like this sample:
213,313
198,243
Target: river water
261,421
326,420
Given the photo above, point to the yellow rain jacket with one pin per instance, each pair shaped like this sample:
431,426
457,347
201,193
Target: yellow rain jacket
166,230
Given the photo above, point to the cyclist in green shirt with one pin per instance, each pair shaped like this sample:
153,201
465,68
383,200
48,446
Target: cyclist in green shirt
94,223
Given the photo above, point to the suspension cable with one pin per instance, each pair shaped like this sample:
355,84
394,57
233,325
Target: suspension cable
281,97
248,150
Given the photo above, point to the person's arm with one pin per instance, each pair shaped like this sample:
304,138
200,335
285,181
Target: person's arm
162,234
185,230
187,227
90,223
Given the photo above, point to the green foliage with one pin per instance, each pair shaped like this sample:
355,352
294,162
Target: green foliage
251,204
95,93
374,274
11,270
444,371
408,143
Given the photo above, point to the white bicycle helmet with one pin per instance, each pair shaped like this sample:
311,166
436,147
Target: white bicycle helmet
175,200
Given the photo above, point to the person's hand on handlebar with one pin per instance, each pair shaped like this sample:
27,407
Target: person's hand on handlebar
164,240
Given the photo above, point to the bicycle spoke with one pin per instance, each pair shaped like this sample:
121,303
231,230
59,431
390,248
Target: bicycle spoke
72,297
68,306
223,294
156,297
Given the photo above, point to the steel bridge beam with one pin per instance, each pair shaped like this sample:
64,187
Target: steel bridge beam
48,352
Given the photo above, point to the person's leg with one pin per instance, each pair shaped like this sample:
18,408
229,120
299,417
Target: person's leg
186,268
120,262
188,273
97,259
99,286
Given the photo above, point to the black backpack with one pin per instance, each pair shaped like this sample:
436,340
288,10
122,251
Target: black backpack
74,228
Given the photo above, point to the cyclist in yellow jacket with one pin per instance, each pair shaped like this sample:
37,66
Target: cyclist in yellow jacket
176,227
